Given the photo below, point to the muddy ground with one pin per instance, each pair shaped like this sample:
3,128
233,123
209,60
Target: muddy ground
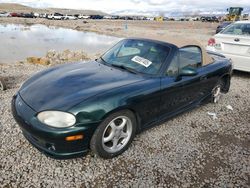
194,30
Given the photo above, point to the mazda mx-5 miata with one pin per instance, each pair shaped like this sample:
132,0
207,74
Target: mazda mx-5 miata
101,105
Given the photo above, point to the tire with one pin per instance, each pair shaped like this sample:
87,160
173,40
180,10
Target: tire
2,85
114,135
216,92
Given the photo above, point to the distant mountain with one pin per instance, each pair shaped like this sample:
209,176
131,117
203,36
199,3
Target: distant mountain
14,7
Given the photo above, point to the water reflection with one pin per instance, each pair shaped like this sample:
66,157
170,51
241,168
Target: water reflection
19,41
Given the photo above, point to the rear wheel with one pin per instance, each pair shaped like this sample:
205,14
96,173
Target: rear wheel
114,134
217,92
2,85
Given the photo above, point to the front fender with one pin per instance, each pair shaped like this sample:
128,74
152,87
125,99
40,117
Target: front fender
135,97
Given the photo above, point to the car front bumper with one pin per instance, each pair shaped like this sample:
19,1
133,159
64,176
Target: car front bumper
49,140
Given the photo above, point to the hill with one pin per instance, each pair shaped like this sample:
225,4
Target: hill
14,7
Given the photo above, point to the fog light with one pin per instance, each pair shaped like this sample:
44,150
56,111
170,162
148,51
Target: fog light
51,147
75,137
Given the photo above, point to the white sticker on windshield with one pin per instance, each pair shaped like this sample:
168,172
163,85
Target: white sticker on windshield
142,61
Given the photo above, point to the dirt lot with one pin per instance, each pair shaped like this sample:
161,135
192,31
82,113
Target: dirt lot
191,150
193,30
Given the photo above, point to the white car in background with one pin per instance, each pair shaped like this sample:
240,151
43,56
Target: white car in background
69,17
83,17
234,43
56,16
4,14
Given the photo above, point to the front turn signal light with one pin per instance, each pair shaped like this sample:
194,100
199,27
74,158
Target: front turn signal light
75,137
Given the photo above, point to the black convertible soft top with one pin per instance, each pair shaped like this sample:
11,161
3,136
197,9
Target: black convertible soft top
180,42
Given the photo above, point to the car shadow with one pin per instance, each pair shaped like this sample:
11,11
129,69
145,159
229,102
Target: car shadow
241,74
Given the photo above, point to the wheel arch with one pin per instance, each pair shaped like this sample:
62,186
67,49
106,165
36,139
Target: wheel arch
226,80
129,108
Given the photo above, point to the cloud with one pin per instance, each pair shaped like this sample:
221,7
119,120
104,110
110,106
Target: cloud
154,7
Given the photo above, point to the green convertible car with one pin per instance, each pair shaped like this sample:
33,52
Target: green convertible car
101,105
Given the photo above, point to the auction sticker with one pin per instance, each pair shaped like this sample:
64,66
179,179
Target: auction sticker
142,61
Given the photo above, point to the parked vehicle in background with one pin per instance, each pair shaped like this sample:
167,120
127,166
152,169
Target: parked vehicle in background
14,14
43,15
215,19
195,19
36,15
107,17
234,43
27,15
4,14
125,18
209,19
245,17
150,18
69,17
83,17
114,17
96,17
222,26
55,16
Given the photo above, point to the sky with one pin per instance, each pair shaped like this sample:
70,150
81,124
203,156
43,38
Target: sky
146,7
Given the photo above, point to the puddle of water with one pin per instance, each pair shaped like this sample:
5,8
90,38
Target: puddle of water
19,41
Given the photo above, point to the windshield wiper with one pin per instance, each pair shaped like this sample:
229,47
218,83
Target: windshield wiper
105,62
119,66
125,68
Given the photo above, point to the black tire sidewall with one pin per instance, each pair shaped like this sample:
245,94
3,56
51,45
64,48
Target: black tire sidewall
96,140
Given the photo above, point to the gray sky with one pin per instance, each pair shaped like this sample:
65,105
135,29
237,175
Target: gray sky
154,7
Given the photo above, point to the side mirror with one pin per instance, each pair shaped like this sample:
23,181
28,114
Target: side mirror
188,71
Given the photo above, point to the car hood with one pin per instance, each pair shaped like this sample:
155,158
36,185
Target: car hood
62,87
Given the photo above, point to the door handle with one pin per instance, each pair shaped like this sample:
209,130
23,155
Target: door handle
237,40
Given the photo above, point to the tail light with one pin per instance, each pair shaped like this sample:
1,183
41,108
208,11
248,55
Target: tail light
211,42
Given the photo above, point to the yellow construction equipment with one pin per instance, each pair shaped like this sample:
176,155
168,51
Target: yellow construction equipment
159,18
234,14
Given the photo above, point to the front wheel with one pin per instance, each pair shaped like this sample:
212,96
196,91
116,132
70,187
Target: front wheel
114,135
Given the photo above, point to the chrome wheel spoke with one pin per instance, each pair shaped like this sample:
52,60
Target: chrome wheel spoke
216,94
124,135
109,137
122,125
113,126
115,143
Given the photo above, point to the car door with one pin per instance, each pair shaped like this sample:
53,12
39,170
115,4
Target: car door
181,91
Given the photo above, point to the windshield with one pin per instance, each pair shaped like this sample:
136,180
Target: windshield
237,29
138,55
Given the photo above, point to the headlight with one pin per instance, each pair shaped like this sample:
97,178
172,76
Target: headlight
57,119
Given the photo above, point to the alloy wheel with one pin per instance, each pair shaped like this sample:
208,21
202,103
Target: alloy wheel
216,94
117,134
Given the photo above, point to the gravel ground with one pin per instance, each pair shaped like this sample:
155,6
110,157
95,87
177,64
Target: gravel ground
191,150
